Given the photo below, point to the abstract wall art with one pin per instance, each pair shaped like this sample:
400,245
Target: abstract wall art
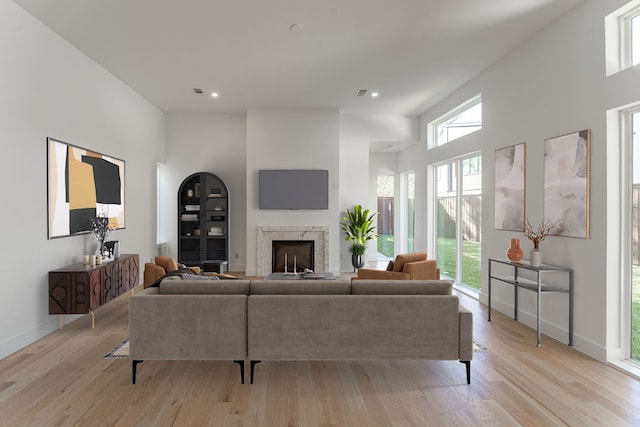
566,184
82,184
509,174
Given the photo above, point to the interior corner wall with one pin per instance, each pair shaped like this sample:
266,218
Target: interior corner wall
214,143
50,89
552,85
357,187
301,138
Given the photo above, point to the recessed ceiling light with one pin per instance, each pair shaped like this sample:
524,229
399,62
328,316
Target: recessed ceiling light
214,94
374,94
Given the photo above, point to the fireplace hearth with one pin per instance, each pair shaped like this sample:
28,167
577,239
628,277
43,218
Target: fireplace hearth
297,255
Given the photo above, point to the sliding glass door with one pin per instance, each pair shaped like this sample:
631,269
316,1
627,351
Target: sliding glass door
458,220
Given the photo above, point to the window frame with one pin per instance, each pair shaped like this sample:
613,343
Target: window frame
432,127
619,38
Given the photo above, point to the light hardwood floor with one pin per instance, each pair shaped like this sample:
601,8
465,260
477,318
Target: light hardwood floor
64,380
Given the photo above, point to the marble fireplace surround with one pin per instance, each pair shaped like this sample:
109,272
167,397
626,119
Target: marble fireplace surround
267,234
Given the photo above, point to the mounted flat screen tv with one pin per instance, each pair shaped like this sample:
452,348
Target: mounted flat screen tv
294,189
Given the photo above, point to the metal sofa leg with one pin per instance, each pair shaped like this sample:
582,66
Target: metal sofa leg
241,363
134,368
253,365
468,365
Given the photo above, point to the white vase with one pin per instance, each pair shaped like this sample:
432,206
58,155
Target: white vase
535,258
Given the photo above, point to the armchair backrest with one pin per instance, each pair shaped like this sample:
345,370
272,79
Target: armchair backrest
169,264
401,260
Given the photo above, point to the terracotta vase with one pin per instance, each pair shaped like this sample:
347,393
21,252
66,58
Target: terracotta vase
514,253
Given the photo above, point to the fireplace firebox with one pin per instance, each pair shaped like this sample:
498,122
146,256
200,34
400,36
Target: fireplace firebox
297,253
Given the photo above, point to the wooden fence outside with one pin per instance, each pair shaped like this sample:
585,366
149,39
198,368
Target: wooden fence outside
471,209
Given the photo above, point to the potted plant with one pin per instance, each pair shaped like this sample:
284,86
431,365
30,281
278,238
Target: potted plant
358,227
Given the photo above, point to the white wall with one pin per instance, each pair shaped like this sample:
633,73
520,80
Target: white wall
302,138
214,143
51,89
552,85
359,168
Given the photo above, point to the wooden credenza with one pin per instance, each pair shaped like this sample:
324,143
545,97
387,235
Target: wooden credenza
80,289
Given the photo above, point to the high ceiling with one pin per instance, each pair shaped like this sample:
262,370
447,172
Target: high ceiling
296,53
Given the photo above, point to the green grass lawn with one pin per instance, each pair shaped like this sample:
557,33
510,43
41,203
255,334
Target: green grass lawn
471,263
385,245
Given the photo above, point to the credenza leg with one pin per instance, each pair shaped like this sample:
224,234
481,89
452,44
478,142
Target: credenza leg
59,321
93,320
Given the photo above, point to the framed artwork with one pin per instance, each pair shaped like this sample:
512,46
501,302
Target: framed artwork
566,184
82,185
509,199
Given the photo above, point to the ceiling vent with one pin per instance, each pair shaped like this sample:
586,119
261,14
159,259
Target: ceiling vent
197,91
362,92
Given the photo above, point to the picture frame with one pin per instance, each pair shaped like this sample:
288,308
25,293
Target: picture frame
81,185
509,187
567,184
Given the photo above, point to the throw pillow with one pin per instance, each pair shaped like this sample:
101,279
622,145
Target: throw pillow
390,266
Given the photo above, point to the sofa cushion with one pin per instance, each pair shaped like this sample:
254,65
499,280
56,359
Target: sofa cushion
401,260
300,287
169,264
204,287
401,287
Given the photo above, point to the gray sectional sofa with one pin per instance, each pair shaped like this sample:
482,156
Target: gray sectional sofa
262,320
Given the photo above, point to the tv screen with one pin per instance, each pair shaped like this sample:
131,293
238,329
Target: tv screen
294,189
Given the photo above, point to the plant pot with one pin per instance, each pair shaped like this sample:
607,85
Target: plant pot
535,258
357,261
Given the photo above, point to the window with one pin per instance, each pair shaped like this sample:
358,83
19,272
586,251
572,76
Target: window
458,220
622,38
635,231
406,235
386,196
461,121
635,40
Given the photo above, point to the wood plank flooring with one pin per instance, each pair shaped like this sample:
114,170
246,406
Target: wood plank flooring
63,380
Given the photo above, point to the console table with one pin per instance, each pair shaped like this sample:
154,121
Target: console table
533,285
81,289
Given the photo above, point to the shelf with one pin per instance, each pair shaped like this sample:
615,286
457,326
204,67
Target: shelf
210,200
529,284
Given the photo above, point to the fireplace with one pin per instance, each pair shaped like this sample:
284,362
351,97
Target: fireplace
267,234
297,254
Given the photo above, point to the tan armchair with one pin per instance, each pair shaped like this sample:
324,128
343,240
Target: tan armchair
162,266
414,266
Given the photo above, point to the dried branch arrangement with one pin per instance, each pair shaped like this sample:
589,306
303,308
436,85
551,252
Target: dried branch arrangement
539,234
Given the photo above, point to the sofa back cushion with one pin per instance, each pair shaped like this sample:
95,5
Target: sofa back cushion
401,260
169,264
300,287
401,287
204,287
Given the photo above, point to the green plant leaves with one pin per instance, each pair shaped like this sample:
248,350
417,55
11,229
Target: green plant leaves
358,227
